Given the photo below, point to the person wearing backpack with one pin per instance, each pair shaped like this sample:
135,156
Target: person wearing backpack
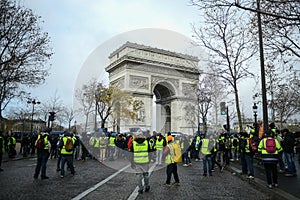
288,144
66,153
169,157
42,145
249,153
269,148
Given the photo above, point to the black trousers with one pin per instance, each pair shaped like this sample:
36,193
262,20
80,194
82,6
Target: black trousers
271,172
172,169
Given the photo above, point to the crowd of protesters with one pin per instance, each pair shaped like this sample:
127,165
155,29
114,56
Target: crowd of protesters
215,150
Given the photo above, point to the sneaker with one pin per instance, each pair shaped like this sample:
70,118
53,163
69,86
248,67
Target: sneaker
288,175
269,186
190,164
61,176
185,165
147,188
176,184
281,171
57,169
44,177
204,174
166,185
276,185
140,191
251,177
212,170
222,168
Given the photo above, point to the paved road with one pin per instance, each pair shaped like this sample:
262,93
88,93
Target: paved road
287,185
97,181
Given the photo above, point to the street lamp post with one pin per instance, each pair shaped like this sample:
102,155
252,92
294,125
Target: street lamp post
255,116
33,102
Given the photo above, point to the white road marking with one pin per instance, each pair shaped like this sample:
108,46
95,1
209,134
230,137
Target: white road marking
83,194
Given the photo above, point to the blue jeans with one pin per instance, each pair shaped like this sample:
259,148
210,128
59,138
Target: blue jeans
69,160
249,162
207,161
42,158
290,163
243,163
186,158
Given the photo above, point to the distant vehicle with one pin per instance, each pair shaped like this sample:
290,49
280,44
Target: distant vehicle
177,134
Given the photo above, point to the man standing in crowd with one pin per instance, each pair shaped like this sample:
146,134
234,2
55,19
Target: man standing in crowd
269,148
207,146
67,148
169,154
11,145
140,160
288,144
42,145
160,143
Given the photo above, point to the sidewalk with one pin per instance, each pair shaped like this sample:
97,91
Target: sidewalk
288,186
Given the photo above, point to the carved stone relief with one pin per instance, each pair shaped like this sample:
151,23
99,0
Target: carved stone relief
138,82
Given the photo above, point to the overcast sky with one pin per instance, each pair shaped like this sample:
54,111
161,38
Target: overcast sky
79,27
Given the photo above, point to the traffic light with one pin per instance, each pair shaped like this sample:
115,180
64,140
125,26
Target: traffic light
223,108
52,116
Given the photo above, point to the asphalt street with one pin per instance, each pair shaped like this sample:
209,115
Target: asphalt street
116,180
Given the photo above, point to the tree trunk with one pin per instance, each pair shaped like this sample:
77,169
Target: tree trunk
238,111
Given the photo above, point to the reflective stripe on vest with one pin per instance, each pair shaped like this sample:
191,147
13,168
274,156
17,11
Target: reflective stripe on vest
170,156
141,154
159,144
63,150
204,147
112,142
45,141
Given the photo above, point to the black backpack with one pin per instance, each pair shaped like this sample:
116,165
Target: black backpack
242,144
235,142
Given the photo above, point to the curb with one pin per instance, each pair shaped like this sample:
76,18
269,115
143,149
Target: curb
275,193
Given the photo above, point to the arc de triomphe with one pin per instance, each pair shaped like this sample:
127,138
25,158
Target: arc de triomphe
163,81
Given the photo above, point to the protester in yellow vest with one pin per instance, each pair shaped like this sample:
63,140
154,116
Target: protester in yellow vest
207,146
66,155
169,154
140,160
42,155
102,145
160,143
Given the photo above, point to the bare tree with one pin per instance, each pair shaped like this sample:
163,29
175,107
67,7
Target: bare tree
86,96
55,105
286,99
217,94
230,47
69,114
24,51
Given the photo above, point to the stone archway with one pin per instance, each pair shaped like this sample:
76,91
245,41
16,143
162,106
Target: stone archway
146,72
164,93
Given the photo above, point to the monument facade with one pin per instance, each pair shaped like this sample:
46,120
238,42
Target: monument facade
164,83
